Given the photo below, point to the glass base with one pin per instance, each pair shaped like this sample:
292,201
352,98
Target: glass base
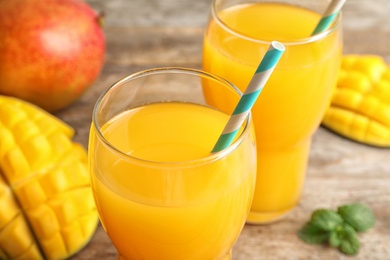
227,257
258,218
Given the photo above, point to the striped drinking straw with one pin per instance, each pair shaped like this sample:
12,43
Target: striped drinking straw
250,95
330,13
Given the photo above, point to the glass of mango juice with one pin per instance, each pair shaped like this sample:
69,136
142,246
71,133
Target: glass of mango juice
294,99
159,191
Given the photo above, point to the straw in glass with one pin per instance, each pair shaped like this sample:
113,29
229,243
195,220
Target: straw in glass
263,72
330,13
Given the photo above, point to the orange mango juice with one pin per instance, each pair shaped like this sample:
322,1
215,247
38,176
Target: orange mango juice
164,201
294,99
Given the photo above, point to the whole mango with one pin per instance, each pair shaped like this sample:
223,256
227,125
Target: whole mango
46,204
360,107
51,50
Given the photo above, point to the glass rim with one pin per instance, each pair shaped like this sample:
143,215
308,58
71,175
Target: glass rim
163,70
335,25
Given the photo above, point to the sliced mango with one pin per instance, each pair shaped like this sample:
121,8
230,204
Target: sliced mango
47,208
360,107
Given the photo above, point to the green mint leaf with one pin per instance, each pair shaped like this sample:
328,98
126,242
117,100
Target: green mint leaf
350,244
326,219
334,240
312,234
338,228
359,216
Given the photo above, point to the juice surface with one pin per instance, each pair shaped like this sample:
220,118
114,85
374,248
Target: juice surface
294,99
270,21
174,209
166,132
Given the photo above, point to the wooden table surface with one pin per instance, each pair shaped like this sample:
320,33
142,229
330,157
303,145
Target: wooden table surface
143,34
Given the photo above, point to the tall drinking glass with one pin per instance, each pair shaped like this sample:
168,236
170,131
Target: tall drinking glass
159,191
292,104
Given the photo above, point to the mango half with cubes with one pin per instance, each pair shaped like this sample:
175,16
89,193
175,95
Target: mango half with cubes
46,204
360,107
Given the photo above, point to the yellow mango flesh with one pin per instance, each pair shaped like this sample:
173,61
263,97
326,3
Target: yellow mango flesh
360,107
47,208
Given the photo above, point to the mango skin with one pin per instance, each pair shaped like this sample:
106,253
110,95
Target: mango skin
360,106
47,208
52,51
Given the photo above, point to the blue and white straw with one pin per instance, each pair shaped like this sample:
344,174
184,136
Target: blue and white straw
329,15
263,72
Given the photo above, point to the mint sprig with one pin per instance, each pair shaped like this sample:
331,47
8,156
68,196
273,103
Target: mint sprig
338,228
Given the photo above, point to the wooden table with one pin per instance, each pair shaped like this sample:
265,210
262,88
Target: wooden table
150,33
